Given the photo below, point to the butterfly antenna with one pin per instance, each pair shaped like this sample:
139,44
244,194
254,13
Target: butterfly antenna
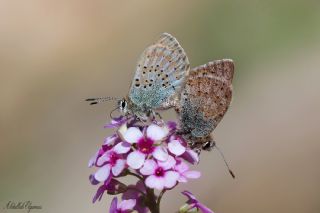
101,100
224,159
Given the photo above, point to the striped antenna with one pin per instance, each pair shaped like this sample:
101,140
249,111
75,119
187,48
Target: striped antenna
101,100
225,161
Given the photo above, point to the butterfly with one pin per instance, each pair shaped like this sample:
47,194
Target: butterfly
160,75
203,101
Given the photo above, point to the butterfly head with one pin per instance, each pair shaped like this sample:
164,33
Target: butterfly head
123,106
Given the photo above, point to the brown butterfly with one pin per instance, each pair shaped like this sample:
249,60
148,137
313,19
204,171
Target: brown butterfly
203,101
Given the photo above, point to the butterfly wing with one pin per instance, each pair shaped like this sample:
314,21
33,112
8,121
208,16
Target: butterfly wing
160,74
206,97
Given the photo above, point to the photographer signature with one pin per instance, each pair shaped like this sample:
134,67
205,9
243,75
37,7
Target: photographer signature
26,205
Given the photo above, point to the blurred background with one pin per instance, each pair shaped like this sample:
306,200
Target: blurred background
54,54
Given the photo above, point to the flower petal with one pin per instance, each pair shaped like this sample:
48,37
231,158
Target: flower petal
136,159
149,167
155,182
132,135
113,206
127,204
171,179
168,164
191,156
160,153
176,148
182,179
93,180
103,173
93,159
118,167
122,147
192,174
172,125
156,133
109,140
115,187
122,129
181,167
99,193
103,158
116,122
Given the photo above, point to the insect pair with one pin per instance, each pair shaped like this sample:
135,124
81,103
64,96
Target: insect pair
163,80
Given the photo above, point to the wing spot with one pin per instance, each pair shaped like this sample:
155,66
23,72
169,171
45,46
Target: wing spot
137,85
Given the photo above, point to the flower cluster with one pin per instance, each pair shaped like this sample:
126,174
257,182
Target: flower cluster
153,153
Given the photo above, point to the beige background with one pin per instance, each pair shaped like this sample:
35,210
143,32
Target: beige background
54,54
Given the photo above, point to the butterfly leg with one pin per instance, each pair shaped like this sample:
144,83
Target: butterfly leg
153,115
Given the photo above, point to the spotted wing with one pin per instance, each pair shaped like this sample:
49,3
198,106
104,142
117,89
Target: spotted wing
160,74
206,97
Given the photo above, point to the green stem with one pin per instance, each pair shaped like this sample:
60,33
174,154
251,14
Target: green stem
151,202
159,198
134,174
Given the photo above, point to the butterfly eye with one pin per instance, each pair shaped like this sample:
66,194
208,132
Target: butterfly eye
123,104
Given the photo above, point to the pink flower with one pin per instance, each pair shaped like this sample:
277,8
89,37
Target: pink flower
111,162
178,147
112,186
183,169
134,192
194,203
124,206
147,143
160,174
107,145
